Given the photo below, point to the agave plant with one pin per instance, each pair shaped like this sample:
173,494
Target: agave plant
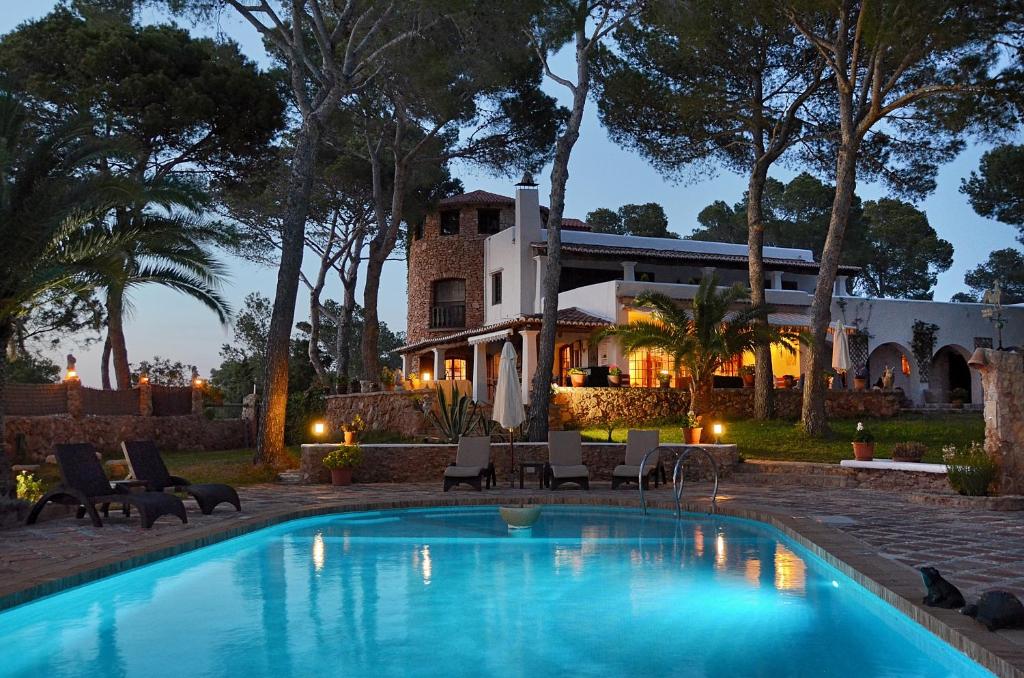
454,417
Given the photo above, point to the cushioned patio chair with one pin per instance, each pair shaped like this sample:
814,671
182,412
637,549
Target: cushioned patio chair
565,460
85,485
638,443
146,464
472,464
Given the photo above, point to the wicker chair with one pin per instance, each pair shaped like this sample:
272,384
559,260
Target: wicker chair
85,485
472,464
638,444
565,460
146,464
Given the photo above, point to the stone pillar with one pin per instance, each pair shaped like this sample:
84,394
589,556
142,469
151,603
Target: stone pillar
540,266
74,393
480,372
629,270
146,399
1002,380
529,361
438,364
197,400
405,365
840,289
776,280
708,271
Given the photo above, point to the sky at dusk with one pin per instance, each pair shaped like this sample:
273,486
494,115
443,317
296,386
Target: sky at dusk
601,175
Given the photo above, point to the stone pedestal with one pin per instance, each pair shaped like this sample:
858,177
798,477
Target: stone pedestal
197,400
74,393
1002,380
145,399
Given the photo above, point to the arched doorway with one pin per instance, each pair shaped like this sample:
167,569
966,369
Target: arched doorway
898,357
950,372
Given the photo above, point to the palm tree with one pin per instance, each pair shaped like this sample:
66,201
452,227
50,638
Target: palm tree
174,251
701,339
45,200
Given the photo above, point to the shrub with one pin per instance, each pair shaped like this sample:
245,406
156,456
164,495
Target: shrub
909,451
304,408
454,418
29,487
357,425
344,456
614,370
692,420
970,470
959,395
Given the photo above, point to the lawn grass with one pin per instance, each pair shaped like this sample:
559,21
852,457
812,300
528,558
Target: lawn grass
783,440
233,467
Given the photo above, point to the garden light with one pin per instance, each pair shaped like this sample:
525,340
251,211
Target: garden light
71,376
717,430
197,382
319,428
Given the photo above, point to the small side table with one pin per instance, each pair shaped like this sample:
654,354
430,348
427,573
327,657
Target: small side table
538,466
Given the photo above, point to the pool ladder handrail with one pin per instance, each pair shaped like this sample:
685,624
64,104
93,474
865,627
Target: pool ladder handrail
677,476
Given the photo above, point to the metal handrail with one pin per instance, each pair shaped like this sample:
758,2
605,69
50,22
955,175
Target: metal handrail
677,476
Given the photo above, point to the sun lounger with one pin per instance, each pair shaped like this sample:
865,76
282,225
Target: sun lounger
146,464
565,459
638,444
472,463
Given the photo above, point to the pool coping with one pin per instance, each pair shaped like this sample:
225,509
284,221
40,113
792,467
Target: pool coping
897,585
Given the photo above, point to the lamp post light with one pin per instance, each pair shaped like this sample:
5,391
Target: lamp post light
319,429
717,430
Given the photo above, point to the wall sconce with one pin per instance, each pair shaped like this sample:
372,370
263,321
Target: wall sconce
425,376
717,430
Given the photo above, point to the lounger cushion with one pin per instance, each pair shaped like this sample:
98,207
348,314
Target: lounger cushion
463,471
630,471
639,443
575,471
473,452
565,448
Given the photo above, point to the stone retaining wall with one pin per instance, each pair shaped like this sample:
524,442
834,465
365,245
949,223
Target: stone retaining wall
594,406
193,432
402,463
402,411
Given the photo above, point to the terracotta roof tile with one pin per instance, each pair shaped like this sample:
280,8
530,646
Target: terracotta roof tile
476,198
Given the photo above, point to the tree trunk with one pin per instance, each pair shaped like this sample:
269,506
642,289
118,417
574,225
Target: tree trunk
314,324
8,488
812,414
270,439
764,377
348,308
105,364
115,335
540,389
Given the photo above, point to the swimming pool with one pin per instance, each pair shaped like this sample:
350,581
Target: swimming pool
448,591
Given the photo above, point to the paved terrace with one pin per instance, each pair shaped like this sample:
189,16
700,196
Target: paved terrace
875,537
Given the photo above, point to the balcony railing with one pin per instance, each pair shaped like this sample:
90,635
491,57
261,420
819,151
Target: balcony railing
444,316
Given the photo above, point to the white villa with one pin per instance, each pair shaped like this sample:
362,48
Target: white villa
476,268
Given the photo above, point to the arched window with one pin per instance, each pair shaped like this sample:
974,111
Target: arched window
449,304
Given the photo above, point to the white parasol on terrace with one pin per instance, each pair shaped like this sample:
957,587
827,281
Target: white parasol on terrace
840,348
508,408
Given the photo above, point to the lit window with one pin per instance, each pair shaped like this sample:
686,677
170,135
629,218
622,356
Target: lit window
454,368
904,365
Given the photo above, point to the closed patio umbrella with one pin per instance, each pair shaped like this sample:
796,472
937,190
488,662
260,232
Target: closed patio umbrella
840,348
508,398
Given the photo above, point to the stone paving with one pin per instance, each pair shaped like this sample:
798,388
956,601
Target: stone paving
976,550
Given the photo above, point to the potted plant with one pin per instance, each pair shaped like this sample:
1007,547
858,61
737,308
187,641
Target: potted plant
788,381
692,428
340,461
860,379
614,375
577,376
863,444
909,452
387,379
352,429
664,379
958,396
747,373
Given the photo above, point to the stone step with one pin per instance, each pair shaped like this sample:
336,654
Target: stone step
803,468
792,479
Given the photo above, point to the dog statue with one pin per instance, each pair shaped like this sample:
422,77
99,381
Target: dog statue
997,610
940,592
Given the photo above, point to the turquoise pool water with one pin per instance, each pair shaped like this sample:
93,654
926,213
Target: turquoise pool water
448,592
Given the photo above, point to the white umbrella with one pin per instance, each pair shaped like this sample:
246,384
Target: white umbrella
508,408
840,348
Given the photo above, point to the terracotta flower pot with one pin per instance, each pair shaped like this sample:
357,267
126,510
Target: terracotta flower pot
614,379
859,384
692,435
350,437
341,476
389,387
863,451
748,381
578,379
